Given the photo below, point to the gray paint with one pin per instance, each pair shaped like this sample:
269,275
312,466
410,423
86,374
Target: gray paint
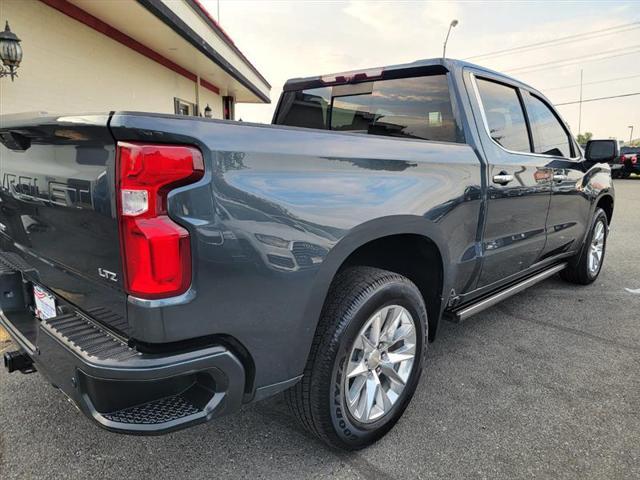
323,194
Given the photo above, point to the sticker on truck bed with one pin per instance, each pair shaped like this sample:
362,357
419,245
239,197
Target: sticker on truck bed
45,303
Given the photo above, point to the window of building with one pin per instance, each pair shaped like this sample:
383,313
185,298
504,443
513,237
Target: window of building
549,136
416,107
504,115
182,107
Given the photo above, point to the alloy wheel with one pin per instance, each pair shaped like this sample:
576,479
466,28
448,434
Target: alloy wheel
380,363
596,249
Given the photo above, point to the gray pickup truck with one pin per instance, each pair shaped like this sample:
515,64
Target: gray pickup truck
162,271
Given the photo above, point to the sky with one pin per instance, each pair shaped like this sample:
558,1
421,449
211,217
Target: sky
287,39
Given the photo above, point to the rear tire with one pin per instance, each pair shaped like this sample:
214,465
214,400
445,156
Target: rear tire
357,383
588,265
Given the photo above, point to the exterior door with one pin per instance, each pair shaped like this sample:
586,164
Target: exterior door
519,184
570,206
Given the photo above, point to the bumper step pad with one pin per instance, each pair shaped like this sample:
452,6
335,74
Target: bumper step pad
157,412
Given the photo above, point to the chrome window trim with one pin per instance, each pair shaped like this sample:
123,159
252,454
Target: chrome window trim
488,131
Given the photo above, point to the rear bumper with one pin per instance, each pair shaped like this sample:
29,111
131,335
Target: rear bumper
628,167
120,388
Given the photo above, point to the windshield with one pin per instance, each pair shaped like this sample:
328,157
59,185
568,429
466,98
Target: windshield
630,150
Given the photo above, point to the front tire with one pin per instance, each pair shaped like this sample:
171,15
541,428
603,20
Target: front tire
588,265
366,358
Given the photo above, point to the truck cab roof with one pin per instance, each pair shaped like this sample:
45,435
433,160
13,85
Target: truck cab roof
418,67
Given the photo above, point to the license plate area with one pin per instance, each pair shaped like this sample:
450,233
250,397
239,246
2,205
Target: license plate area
44,303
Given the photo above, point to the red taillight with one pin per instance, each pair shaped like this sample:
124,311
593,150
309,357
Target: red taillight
156,250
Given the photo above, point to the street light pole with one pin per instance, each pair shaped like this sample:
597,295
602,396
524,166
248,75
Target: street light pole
630,134
444,48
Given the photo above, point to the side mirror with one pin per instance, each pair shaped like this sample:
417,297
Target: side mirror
602,151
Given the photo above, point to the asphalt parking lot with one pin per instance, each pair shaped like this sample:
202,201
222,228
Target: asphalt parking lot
545,385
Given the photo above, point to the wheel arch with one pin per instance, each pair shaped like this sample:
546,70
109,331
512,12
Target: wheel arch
606,202
372,234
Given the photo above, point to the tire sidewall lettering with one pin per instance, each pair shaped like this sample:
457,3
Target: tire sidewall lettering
337,403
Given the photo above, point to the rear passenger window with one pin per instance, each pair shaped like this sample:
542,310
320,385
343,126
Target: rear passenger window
504,115
549,136
416,107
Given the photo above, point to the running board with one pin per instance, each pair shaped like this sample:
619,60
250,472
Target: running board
466,312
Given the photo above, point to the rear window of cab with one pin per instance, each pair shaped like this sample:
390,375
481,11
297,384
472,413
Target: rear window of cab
415,107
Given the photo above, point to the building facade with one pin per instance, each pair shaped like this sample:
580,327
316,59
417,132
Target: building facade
164,56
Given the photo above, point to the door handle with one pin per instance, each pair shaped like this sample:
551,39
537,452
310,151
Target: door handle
558,177
502,178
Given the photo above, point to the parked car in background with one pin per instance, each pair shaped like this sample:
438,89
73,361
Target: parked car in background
630,161
162,271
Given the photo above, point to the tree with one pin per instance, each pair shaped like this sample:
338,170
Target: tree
583,138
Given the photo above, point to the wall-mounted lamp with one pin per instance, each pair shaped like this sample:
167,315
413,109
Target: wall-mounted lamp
10,53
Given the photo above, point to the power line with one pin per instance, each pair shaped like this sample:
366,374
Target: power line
565,42
582,59
599,98
567,39
590,83
587,56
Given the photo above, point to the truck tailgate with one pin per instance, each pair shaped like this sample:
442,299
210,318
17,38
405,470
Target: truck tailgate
57,210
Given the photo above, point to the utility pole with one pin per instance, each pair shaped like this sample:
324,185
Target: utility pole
580,106
630,134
